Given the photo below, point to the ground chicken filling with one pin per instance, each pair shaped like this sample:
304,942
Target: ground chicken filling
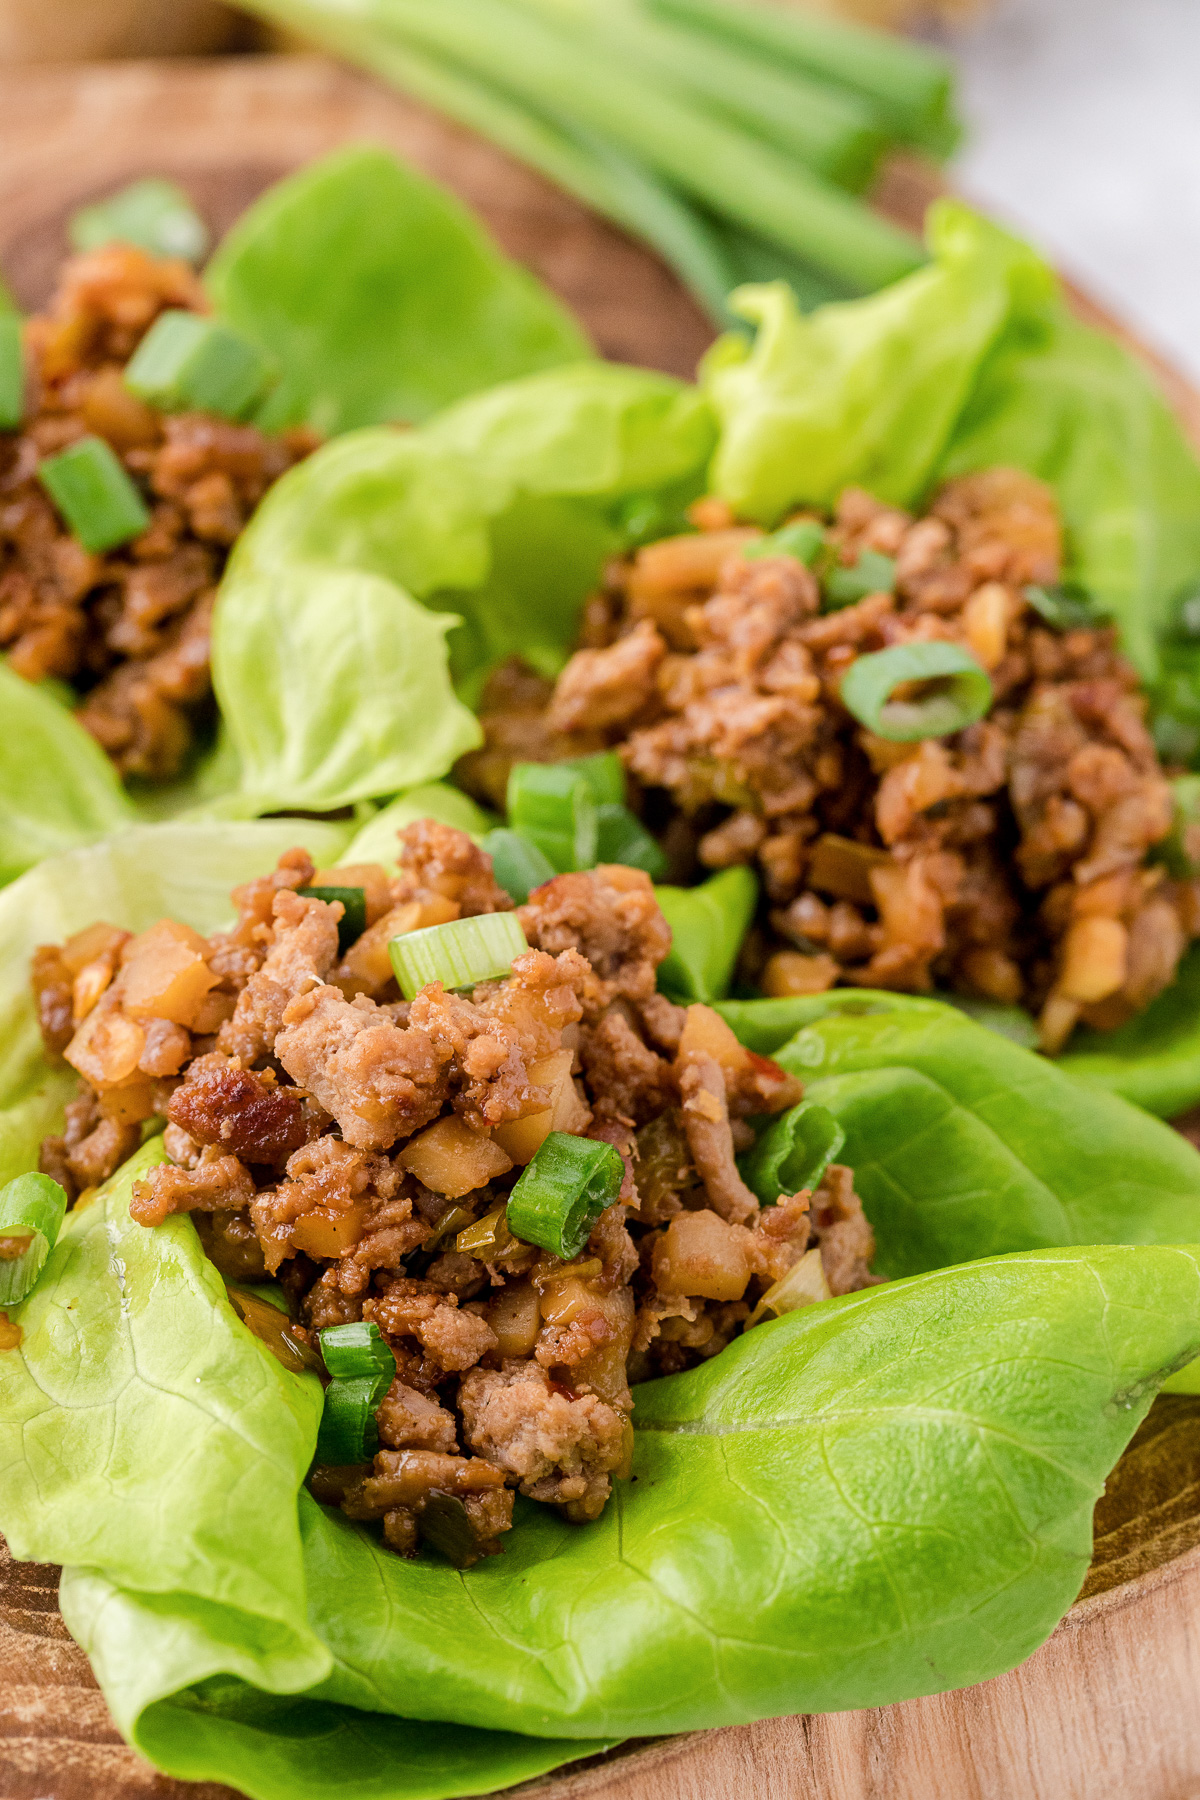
1008,861
324,1131
129,628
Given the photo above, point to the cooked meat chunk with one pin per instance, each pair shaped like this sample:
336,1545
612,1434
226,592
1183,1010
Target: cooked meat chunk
237,1110
611,917
131,628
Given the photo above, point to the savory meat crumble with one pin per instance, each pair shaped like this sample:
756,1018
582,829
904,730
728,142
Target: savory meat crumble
1009,861
130,628
361,1148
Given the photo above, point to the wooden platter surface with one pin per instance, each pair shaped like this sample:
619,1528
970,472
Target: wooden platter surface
1107,1709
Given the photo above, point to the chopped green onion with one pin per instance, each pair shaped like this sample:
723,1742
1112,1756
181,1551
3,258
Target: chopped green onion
622,838
363,1369
189,361
12,371
95,496
873,573
708,924
32,1209
962,695
644,518
155,215
793,1152
457,954
357,1351
487,1237
604,774
562,1193
552,804
517,863
353,921
802,540
1066,608
348,1432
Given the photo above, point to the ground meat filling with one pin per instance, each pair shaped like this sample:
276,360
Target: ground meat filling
1009,861
323,1131
130,628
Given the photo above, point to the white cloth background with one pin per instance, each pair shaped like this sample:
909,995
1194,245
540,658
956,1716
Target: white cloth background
1084,119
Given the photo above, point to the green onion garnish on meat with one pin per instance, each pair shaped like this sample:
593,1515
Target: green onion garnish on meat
517,863
32,1209
873,573
708,925
363,1369
12,371
187,361
97,499
793,1152
622,838
562,1193
958,693
553,805
604,774
458,954
1064,607
353,921
154,214
803,540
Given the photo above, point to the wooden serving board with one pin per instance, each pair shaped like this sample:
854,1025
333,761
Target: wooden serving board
1107,1709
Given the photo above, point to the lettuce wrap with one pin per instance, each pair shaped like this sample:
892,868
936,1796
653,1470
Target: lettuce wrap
884,1495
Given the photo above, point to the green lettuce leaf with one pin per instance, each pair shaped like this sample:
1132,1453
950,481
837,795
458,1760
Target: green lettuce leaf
1155,1059
144,1432
863,392
379,296
334,687
1074,407
882,1496
499,511
57,787
376,841
963,1144
181,870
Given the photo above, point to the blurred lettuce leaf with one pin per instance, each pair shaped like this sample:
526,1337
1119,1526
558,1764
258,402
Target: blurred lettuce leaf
866,392
379,296
57,787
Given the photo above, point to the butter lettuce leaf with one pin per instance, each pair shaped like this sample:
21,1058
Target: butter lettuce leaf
863,392
963,1144
501,512
886,1495
57,787
379,296
376,840
1073,406
334,687
1154,1060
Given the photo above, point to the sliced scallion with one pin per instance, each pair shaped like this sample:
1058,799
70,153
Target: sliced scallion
32,1209
353,921
562,1193
457,954
517,863
1065,608
604,774
708,924
189,361
95,496
803,540
553,805
357,1350
363,1369
959,694
622,838
793,1152
12,371
873,573
153,214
